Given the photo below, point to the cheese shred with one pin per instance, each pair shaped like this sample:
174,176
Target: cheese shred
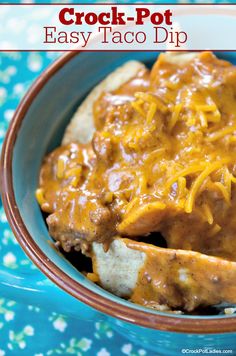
181,186
185,172
217,135
40,196
61,166
224,191
151,112
137,107
151,99
175,116
207,213
200,180
215,229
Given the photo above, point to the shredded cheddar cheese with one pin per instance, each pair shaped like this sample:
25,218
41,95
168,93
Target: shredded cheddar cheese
233,179
73,172
142,184
207,213
137,106
175,116
199,181
151,112
182,186
61,165
215,229
221,133
151,99
154,155
224,191
39,196
185,172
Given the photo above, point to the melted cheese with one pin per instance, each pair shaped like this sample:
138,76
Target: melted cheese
162,159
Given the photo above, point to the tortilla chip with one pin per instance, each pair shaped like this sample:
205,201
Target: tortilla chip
81,126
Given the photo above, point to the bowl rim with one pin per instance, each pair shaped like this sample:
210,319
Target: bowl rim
148,319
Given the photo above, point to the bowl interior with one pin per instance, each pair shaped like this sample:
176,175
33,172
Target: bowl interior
42,130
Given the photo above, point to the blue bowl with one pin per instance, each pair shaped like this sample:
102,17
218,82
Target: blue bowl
36,129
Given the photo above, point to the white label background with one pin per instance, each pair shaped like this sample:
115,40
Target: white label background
207,27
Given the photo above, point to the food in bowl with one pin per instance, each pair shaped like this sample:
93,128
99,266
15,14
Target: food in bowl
149,156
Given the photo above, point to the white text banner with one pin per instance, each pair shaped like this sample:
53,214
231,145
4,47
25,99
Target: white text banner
117,27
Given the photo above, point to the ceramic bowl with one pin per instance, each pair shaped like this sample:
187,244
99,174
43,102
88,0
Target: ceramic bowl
36,129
